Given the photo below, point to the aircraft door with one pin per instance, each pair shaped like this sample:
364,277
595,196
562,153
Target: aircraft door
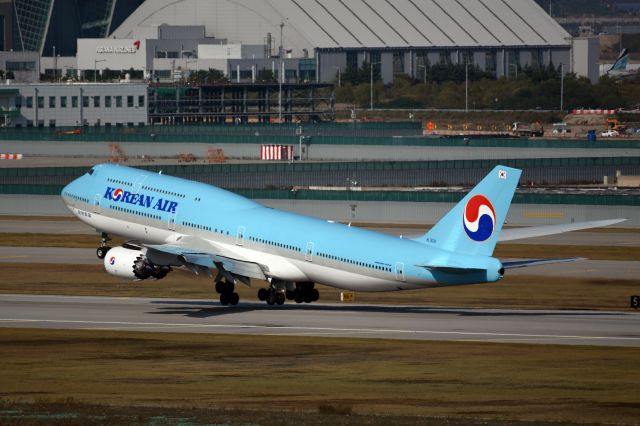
96,203
308,254
400,271
240,235
171,224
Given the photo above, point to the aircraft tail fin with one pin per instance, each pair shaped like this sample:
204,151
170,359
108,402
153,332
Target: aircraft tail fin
620,65
474,224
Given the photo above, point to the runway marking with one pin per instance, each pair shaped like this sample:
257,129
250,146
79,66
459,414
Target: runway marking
320,329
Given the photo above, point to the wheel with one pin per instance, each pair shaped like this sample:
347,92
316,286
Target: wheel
307,296
220,287
279,298
298,297
262,294
101,252
229,287
224,299
290,294
271,298
316,295
234,298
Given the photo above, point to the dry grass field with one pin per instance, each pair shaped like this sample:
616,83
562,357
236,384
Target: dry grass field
265,378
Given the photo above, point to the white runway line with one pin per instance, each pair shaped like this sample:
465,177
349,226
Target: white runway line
318,329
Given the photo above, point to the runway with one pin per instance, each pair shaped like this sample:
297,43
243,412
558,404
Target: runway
327,320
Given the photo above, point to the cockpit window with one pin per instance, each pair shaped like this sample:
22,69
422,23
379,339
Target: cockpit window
90,172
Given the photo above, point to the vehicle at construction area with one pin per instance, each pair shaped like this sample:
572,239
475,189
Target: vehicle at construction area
527,129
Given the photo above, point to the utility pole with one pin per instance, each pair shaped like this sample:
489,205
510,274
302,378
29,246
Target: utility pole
466,86
280,75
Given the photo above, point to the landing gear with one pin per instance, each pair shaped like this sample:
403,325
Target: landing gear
227,294
304,292
279,291
101,251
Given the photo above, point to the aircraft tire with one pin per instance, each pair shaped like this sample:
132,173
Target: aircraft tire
279,298
315,295
224,299
220,287
290,294
271,298
298,297
101,252
234,298
263,293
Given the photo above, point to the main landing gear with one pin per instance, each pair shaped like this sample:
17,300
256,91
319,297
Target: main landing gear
101,251
226,291
279,291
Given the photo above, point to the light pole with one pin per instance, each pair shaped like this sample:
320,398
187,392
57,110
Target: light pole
466,86
339,72
371,64
280,73
562,86
95,72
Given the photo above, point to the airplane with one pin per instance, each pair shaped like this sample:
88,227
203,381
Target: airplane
173,222
619,67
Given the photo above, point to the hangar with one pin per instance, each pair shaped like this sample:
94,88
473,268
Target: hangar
396,36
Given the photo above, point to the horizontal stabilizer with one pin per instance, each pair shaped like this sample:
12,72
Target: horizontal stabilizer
451,269
533,262
541,231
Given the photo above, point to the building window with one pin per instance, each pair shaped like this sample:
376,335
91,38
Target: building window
85,101
63,101
445,57
129,101
52,123
466,57
513,59
30,102
141,100
491,63
118,101
18,101
107,101
20,66
41,102
29,123
74,102
52,101
352,61
398,63
96,101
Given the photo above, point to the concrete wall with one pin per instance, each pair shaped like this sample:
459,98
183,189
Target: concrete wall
374,212
315,152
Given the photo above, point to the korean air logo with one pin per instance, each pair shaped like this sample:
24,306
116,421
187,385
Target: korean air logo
112,260
118,194
479,219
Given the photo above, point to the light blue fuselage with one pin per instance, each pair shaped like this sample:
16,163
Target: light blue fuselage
153,209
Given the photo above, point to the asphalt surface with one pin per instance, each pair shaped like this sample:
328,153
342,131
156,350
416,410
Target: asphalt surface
359,321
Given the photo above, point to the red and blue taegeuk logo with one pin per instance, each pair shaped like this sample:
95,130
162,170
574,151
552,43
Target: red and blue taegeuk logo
118,194
479,218
112,260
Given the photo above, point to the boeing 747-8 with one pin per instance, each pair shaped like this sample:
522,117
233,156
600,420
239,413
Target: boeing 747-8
172,222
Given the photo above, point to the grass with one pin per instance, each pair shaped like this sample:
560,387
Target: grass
332,377
512,291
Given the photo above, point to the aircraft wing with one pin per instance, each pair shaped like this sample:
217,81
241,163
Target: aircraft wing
540,231
191,251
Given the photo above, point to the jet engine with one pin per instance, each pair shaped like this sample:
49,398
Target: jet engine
132,264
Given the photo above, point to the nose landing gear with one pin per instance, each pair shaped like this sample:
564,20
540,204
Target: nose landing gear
101,251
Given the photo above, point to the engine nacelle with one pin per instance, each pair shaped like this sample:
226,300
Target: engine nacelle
132,264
